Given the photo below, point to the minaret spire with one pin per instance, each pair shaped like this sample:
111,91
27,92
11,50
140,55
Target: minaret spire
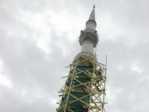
88,37
92,15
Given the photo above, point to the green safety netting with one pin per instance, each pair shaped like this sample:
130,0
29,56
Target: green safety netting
76,97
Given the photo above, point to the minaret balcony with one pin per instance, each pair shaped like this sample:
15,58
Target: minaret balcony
89,35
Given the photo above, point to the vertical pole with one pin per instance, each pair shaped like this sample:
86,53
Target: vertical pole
105,83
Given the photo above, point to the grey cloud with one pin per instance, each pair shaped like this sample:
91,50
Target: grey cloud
31,69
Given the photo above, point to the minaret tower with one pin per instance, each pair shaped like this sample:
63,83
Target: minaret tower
84,90
89,38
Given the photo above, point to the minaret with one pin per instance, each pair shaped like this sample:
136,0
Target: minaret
89,38
84,90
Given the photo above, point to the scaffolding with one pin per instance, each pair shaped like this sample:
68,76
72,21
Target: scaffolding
84,90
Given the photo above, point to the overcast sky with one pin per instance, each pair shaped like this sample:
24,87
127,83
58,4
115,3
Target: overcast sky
39,39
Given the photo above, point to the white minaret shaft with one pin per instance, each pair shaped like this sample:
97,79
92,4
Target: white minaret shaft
87,47
88,37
